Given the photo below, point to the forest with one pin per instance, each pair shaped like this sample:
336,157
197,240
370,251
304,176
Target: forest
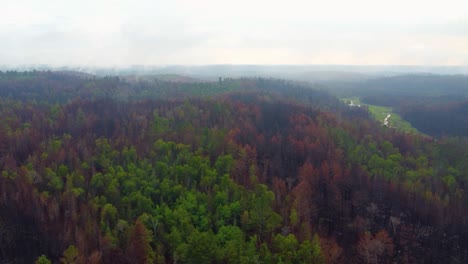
246,170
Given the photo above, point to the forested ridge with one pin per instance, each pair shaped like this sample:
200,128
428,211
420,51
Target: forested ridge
122,170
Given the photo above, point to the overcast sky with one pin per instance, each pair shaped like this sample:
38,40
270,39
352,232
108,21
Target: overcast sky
112,32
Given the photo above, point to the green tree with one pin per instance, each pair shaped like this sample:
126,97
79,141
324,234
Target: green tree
231,244
43,260
293,218
286,247
262,216
202,247
316,256
108,217
71,256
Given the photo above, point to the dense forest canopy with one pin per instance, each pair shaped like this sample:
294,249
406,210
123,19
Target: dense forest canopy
249,170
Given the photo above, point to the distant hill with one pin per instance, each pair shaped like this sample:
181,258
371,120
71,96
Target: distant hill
320,76
165,77
301,72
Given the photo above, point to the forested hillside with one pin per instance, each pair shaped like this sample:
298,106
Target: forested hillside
123,170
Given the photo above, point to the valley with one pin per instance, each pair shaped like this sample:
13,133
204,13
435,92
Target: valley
385,115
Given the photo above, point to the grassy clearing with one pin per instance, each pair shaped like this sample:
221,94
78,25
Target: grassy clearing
396,121
379,113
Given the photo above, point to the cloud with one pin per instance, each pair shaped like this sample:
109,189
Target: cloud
202,32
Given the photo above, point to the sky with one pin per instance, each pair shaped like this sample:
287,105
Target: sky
198,32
